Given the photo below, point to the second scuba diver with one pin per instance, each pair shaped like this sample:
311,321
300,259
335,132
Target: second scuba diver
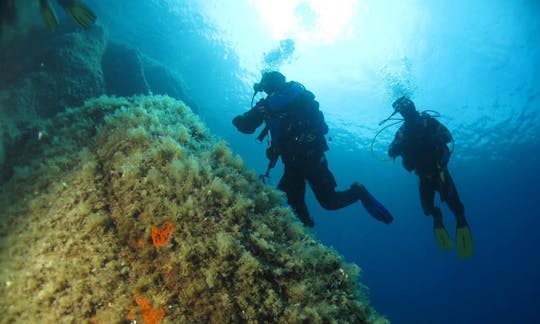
422,144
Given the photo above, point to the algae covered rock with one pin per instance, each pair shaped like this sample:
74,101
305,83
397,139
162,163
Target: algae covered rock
128,209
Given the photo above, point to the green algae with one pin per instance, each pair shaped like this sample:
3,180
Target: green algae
76,219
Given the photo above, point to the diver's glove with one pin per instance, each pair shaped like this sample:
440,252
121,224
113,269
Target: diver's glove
373,207
272,153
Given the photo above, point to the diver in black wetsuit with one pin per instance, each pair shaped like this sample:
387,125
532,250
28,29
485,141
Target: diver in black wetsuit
422,144
297,130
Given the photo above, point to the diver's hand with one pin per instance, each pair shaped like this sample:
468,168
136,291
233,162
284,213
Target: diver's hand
261,102
260,107
272,153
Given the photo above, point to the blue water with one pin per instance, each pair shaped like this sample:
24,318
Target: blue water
475,62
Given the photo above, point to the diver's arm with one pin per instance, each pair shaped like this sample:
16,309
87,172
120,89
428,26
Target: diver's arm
321,125
393,151
396,147
441,137
441,133
315,114
444,134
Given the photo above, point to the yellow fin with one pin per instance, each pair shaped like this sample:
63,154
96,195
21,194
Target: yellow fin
80,14
48,14
442,238
464,242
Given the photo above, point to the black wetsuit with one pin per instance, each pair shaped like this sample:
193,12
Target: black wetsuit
297,129
421,142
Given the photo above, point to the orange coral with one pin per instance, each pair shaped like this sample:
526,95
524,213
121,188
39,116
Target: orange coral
160,236
131,316
140,243
149,314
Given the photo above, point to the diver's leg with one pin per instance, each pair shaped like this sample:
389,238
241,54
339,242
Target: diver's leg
323,183
449,194
293,184
427,187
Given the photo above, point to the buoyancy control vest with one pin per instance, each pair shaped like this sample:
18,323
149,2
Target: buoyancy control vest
424,146
296,124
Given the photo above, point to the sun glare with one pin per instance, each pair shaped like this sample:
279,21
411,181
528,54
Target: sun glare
309,21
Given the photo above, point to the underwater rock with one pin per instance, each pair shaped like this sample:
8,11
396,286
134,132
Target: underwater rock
42,74
123,71
17,18
2,157
129,209
128,73
162,82
46,72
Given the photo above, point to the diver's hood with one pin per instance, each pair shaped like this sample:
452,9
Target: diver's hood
404,106
270,81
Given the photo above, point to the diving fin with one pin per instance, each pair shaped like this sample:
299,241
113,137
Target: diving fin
48,14
442,238
78,12
373,207
464,242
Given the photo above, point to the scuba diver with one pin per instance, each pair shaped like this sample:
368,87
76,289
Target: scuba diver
76,10
422,144
297,129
